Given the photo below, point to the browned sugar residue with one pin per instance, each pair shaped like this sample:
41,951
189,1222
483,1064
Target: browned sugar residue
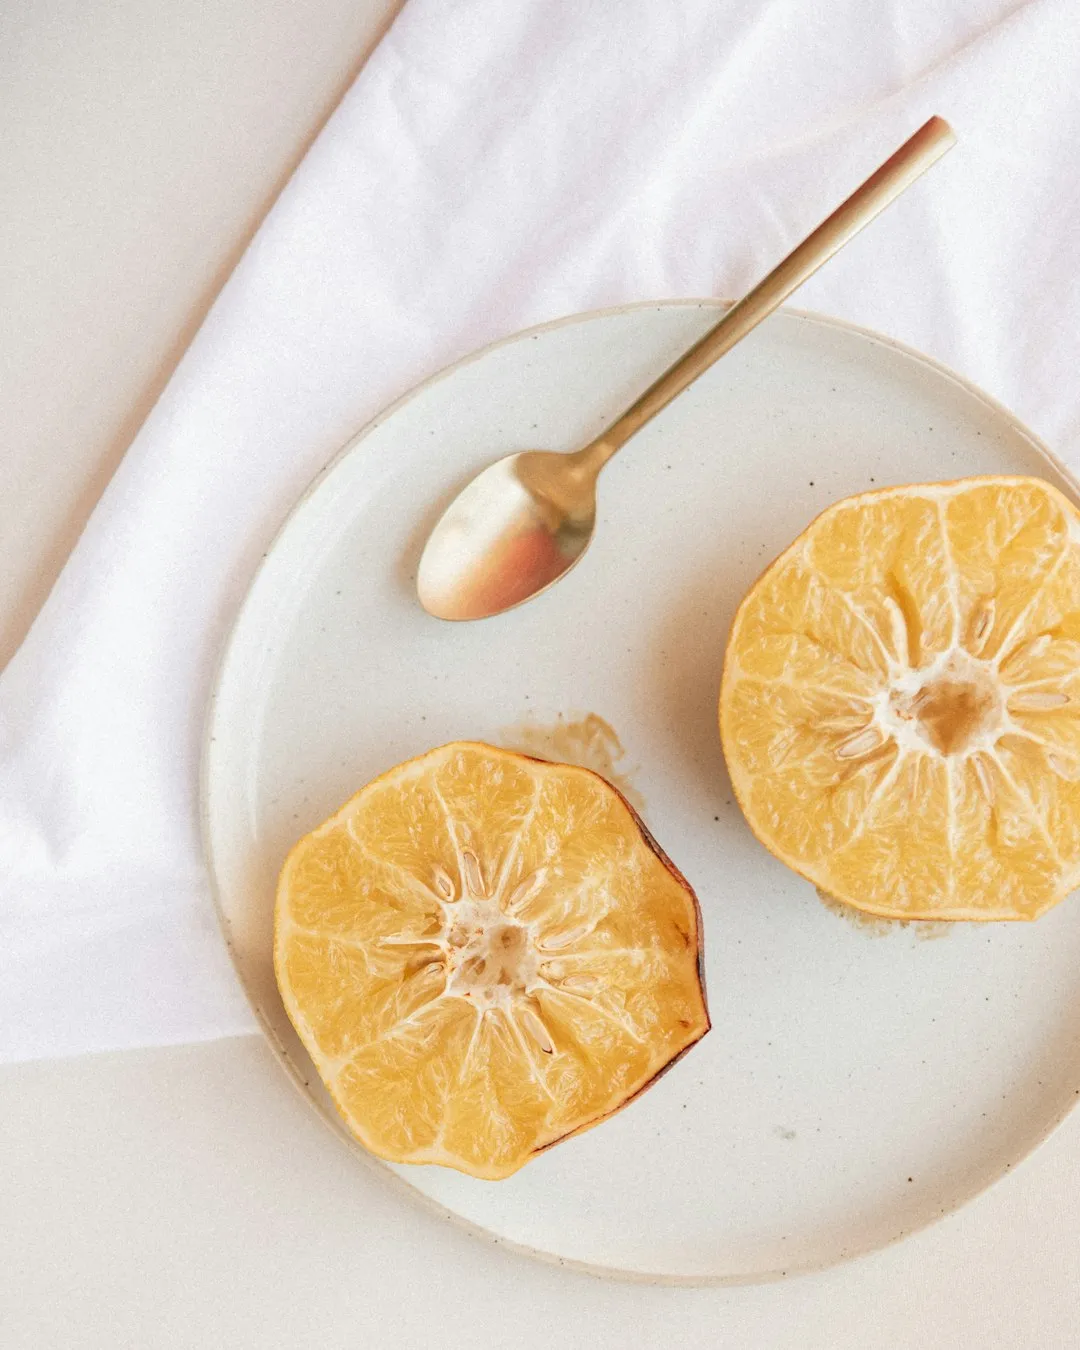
877,925
586,740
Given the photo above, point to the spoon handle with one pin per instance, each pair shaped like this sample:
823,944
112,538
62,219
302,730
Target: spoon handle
883,186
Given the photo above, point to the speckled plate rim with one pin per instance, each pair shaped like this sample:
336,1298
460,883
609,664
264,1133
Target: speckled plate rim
293,1071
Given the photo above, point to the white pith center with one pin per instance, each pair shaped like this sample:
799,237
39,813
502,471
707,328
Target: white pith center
954,706
495,959
489,957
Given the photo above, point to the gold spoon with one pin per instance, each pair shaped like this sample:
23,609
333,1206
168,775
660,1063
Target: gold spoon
526,519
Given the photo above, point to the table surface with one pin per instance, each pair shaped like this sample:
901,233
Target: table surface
186,1197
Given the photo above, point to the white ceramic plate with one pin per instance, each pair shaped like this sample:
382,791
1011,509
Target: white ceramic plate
859,1081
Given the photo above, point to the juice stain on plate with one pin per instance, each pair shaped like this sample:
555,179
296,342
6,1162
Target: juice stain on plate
586,740
877,925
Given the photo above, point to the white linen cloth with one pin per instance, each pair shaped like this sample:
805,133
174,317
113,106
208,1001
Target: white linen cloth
497,163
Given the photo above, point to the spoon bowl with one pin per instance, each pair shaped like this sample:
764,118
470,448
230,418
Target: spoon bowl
512,532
